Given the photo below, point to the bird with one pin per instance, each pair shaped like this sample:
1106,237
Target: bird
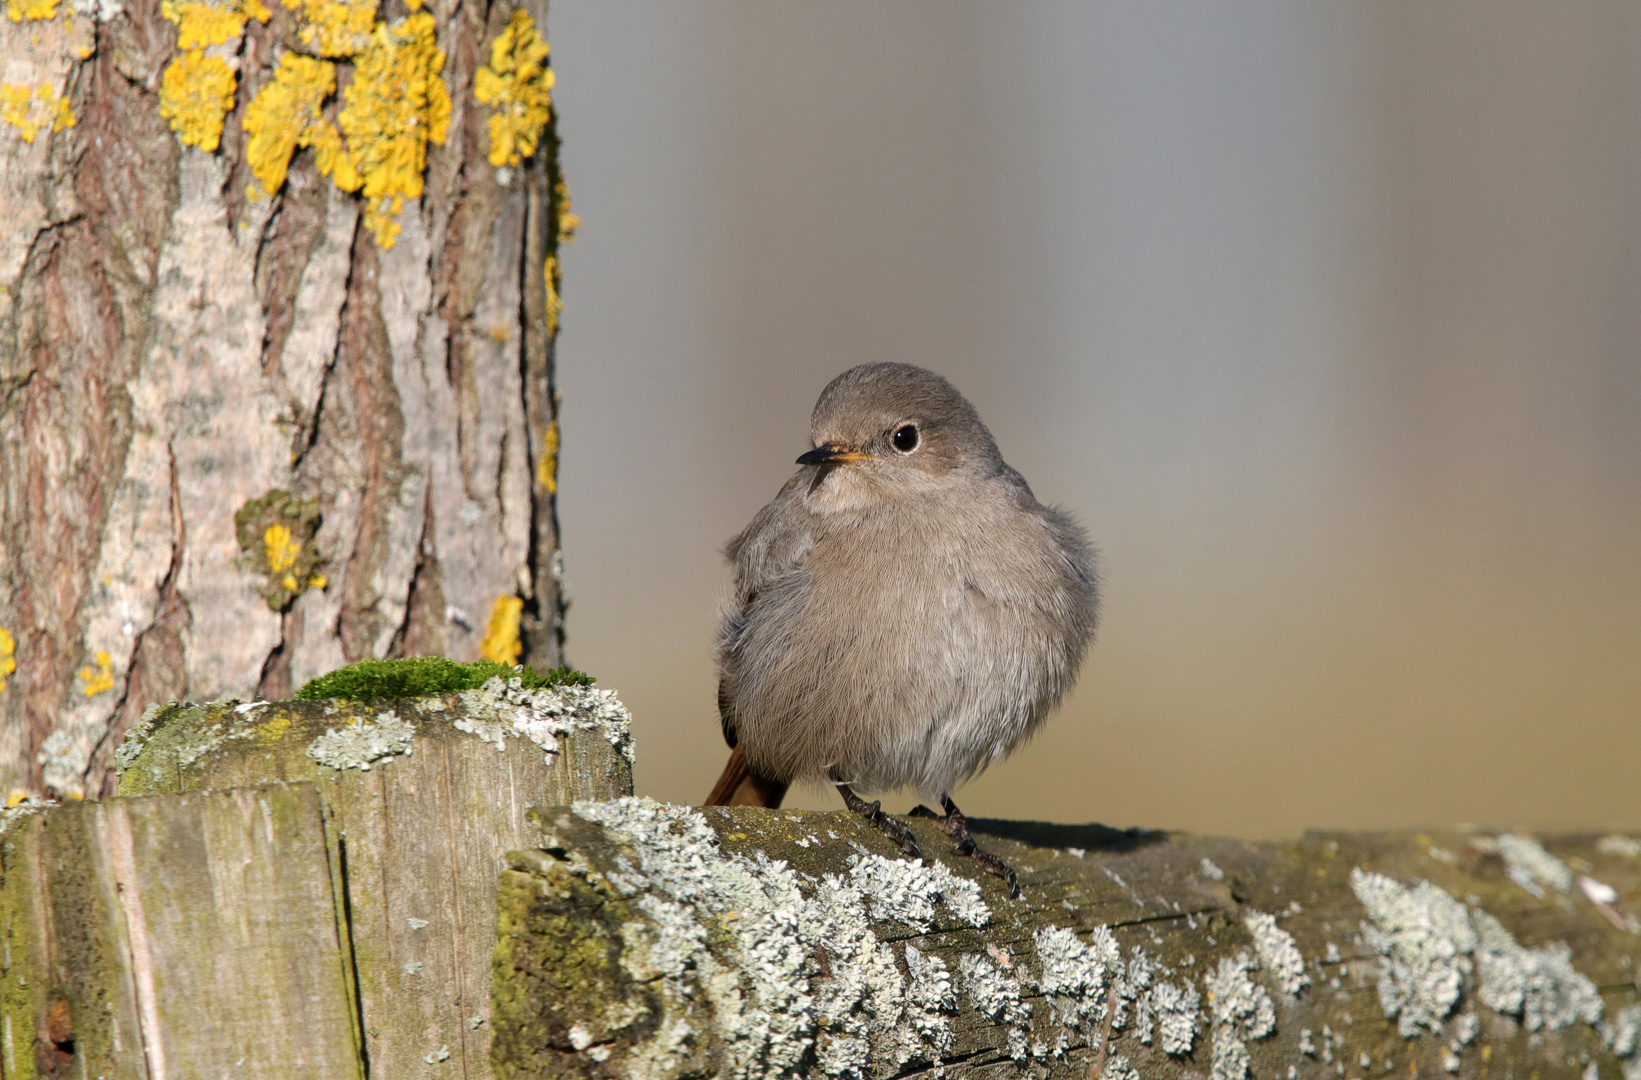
905,611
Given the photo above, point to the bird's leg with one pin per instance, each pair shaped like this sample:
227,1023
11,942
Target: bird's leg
873,812
956,826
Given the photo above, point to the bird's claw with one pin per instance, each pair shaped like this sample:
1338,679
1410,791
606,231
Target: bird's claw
956,826
896,830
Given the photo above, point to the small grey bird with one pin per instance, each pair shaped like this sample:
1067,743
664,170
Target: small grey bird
906,612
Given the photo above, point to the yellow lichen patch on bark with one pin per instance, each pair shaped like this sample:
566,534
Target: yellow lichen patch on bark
8,656
200,24
99,679
517,85
31,110
195,95
396,105
286,114
568,222
18,10
276,533
555,303
334,28
197,91
283,550
501,639
547,467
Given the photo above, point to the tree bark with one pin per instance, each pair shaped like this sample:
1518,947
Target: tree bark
645,940
248,437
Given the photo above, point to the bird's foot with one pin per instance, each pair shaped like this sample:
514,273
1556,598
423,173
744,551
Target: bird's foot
898,831
956,826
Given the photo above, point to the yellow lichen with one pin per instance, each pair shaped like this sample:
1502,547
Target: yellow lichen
8,656
62,115
18,10
333,28
14,110
547,467
195,95
16,798
197,90
332,157
568,222
517,84
286,114
31,110
555,303
100,678
282,548
501,640
270,731
200,24
395,106
318,581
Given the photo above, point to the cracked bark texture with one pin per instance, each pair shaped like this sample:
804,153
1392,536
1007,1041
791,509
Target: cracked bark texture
171,349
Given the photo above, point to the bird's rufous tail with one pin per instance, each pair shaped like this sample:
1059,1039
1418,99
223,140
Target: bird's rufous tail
740,786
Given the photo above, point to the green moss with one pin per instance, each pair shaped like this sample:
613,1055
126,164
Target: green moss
558,981
389,680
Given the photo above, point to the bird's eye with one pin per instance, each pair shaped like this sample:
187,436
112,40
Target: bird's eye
905,438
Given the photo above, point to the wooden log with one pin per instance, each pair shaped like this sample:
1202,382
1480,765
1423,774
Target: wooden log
178,936
645,940
421,799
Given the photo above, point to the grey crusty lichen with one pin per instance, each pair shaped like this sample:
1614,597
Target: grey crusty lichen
657,941
494,712
366,740
498,710
1435,950
712,962
186,740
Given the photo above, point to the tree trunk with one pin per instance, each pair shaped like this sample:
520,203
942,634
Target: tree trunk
248,437
646,940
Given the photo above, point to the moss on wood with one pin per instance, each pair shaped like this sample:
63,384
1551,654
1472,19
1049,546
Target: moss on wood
421,676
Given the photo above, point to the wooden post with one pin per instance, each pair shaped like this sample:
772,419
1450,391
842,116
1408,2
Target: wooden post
179,930
645,940
192,935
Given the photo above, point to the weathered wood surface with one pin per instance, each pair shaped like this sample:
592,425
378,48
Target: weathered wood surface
668,942
402,816
421,831
193,935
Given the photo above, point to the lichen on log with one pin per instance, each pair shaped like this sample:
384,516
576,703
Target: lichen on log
645,940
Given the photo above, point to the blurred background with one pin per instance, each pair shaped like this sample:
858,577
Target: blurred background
1324,319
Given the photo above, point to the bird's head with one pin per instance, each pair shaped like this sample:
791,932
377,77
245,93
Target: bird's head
898,425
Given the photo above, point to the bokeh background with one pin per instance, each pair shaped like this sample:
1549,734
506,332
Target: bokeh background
1324,319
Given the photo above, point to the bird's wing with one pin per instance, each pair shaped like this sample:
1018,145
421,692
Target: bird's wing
726,711
774,545
771,550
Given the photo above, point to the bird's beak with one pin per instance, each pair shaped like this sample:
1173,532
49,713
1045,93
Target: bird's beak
831,454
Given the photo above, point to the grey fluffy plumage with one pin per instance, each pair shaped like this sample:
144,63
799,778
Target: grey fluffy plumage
900,619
